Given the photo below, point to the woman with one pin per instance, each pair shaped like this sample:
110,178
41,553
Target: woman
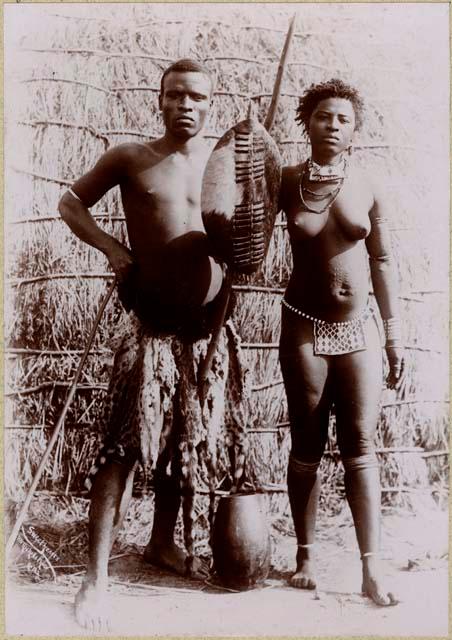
330,349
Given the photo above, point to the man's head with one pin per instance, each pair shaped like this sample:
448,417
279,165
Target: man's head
185,96
186,65
333,88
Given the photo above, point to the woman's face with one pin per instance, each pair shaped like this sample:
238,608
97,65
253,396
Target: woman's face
331,127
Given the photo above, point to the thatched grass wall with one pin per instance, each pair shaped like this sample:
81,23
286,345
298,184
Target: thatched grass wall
85,77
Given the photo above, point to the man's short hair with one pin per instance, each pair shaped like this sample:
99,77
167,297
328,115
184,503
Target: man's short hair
333,88
186,65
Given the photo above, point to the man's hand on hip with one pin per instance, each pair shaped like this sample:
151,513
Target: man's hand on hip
120,259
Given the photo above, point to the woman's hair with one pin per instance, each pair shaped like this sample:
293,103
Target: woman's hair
333,88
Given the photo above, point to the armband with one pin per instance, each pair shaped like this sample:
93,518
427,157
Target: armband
75,195
385,257
393,331
379,245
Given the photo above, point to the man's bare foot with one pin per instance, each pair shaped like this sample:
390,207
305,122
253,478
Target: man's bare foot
173,558
91,607
372,586
304,576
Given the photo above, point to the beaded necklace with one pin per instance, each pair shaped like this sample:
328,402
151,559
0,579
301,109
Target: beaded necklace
330,195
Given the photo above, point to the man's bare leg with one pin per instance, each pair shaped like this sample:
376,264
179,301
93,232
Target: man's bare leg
110,497
162,550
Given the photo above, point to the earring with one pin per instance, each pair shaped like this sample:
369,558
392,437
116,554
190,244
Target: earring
350,149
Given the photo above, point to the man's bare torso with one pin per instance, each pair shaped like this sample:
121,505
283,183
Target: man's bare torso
161,195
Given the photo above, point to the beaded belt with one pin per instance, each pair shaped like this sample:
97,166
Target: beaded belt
336,338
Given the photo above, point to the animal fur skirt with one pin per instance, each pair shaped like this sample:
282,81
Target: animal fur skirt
153,414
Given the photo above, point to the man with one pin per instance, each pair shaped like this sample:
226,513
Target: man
173,284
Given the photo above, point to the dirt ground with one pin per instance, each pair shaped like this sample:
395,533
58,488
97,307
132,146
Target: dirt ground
148,602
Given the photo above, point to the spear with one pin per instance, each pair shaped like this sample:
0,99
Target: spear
23,512
268,123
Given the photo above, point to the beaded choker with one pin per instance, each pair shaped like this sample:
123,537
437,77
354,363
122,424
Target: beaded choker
326,172
335,173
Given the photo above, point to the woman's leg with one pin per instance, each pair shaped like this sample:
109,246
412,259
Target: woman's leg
305,380
357,391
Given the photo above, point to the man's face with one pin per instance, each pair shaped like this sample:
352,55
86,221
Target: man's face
185,102
331,126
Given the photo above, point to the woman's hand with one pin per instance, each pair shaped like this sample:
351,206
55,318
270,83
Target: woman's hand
396,366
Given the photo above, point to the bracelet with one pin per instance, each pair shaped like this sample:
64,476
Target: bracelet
393,331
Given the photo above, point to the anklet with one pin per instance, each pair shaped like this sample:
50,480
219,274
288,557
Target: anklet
368,554
305,546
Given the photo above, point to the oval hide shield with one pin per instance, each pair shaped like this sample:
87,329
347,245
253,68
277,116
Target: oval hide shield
239,199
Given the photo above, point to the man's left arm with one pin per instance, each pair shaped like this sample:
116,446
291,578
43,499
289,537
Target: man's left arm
385,284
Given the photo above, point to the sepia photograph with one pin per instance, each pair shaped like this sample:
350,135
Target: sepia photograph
226,319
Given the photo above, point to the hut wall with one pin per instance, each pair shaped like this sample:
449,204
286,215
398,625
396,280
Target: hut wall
83,78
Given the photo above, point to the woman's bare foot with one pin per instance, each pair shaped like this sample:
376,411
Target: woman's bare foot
372,586
304,576
173,558
92,608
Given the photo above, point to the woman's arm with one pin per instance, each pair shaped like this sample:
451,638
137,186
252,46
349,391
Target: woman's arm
385,284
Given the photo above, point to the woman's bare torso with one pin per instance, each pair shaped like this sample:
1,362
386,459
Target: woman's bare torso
330,274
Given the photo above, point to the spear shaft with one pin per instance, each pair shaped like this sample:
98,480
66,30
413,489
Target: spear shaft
23,511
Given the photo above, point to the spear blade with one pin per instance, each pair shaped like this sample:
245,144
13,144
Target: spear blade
279,76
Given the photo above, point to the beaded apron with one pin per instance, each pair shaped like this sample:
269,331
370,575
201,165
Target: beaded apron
336,338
